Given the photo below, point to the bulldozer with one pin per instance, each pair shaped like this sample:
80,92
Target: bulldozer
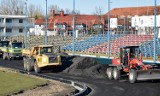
130,63
39,57
13,50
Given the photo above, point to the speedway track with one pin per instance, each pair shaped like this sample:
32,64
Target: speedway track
101,86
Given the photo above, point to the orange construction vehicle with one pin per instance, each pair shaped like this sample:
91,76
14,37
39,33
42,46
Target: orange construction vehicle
130,63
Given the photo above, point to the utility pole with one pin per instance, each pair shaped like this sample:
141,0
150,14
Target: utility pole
73,33
46,38
155,30
25,37
108,28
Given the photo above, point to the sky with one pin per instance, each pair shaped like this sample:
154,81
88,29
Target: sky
88,6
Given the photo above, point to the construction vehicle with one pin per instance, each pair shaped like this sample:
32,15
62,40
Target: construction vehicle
13,50
130,63
40,56
3,47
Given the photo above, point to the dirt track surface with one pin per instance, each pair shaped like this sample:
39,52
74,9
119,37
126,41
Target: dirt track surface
100,85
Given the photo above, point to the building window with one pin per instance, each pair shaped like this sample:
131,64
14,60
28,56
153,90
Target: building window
20,30
1,29
79,27
1,20
60,26
20,20
8,30
8,20
97,26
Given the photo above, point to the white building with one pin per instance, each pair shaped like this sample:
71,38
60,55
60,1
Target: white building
145,24
13,25
39,29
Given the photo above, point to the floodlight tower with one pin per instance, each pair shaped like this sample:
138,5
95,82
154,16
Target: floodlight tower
73,32
25,37
155,30
108,29
46,38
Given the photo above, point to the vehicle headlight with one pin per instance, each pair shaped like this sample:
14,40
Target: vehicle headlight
44,60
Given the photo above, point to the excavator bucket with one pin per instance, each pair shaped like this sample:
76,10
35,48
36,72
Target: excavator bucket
151,74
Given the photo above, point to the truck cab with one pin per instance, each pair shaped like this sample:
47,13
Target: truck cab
3,47
14,50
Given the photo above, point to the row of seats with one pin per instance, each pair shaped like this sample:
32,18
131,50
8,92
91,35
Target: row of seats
147,48
90,42
115,44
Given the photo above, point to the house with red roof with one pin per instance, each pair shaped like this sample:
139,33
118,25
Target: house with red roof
62,24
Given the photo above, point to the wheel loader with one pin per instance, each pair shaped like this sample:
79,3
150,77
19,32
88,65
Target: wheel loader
3,47
13,50
130,63
39,57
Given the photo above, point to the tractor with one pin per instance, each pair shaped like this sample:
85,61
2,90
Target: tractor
130,63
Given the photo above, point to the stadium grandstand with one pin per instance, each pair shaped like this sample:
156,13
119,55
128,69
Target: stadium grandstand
92,32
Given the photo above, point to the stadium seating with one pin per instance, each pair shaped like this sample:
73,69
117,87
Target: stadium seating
88,43
115,44
147,48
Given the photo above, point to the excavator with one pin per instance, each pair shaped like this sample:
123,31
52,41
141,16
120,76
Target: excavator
130,63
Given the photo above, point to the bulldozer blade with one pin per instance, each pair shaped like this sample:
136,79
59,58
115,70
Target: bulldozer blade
151,74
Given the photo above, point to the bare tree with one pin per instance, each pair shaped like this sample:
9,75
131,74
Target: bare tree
35,11
77,12
98,11
11,7
55,8
68,11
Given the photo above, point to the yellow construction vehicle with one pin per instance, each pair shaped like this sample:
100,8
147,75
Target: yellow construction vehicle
40,56
11,50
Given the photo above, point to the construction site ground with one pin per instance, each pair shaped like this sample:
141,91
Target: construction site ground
91,72
25,85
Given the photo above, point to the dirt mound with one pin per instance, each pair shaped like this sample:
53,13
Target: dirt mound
86,66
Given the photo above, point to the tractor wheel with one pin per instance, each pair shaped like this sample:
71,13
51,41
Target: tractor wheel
25,64
116,73
110,73
36,68
132,76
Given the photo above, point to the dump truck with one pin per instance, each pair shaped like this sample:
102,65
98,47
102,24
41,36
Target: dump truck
130,64
3,47
13,50
39,57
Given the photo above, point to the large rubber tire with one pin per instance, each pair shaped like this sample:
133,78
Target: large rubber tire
4,56
25,63
109,73
116,73
36,68
28,65
132,76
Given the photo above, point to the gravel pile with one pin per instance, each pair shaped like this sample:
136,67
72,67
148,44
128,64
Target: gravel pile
84,66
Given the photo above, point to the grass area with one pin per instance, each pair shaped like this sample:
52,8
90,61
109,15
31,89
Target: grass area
14,82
